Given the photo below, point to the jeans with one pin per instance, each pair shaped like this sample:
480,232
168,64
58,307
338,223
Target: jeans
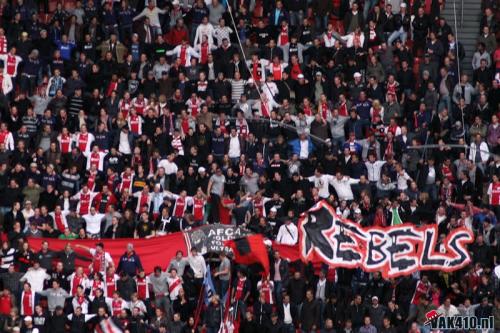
296,18
278,291
424,328
367,7
337,143
241,309
432,190
109,29
163,302
321,22
401,34
126,33
192,34
444,102
28,83
223,286
288,328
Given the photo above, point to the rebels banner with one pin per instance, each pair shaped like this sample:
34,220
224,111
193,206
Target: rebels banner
394,251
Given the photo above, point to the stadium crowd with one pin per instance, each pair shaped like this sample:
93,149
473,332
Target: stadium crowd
135,119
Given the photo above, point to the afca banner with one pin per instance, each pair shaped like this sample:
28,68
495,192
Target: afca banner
211,237
394,251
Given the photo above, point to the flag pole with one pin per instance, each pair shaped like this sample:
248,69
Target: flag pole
200,304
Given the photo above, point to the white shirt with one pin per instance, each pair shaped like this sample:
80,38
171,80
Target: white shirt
204,30
175,292
402,181
321,183
153,15
170,167
343,187
124,146
198,265
497,271
287,316
234,147
304,149
373,170
36,278
288,234
93,223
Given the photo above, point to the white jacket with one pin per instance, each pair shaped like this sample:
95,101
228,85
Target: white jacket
190,52
484,150
288,234
204,30
7,84
343,187
36,278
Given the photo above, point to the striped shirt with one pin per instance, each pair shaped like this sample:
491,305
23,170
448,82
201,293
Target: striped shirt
237,89
7,257
31,124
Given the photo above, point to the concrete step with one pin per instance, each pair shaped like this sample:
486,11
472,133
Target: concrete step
468,16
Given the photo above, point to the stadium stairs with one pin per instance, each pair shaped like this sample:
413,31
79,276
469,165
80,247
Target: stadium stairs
468,15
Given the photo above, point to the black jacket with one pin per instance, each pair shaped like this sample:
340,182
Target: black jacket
262,313
281,312
310,315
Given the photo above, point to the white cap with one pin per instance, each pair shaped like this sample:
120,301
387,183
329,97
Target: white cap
402,5
319,73
375,297
175,2
274,210
357,74
201,169
28,318
267,242
250,80
357,211
300,76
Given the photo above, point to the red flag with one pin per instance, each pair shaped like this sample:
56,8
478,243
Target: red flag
250,250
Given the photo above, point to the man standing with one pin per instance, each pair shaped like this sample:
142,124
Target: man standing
130,262
216,189
100,260
159,281
199,267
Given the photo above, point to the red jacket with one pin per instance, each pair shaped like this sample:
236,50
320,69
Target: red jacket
175,36
98,198
5,305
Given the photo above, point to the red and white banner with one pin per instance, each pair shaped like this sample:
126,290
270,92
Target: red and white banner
394,251
107,326
323,238
153,252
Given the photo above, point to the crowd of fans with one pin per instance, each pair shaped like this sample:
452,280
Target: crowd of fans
136,119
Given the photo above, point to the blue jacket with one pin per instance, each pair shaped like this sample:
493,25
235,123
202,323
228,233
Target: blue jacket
130,264
66,49
295,146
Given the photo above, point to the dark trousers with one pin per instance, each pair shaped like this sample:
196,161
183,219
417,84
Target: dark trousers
214,211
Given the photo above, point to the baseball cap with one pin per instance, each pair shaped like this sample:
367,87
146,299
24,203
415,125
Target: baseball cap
300,76
357,74
28,318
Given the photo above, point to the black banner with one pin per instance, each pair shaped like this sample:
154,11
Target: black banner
210,238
